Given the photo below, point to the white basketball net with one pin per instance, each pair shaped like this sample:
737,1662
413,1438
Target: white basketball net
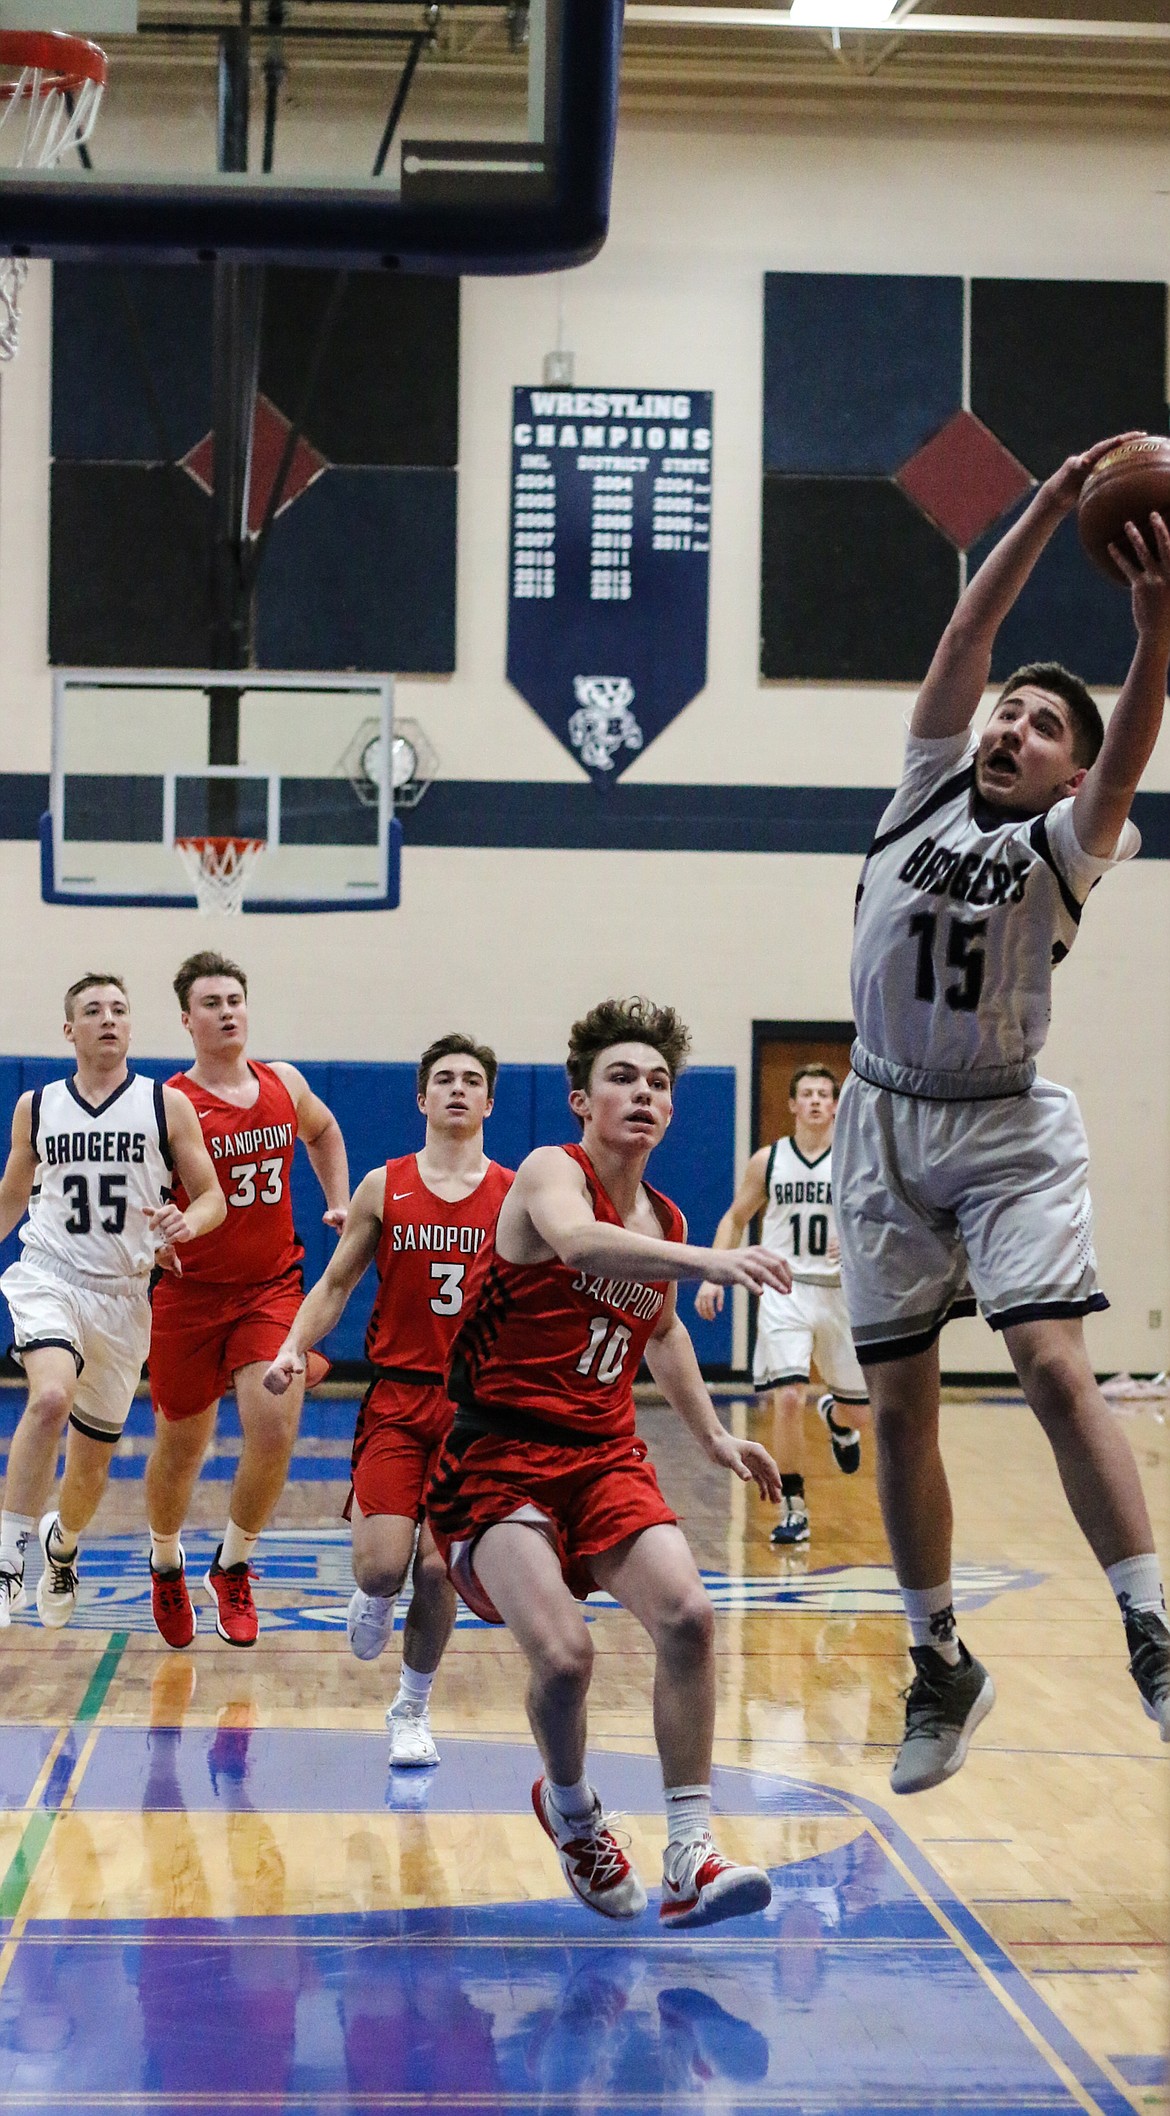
37,127
219,868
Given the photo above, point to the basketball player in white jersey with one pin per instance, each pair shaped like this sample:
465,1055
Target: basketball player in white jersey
91,1162
791,1184
954,1162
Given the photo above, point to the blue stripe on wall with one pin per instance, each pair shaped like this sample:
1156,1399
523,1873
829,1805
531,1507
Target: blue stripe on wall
539,815
376,1108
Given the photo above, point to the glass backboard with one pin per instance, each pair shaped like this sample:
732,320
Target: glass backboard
460,137
142,758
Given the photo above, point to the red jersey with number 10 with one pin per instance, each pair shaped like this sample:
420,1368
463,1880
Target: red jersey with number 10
252,1154
425,1254
562,1344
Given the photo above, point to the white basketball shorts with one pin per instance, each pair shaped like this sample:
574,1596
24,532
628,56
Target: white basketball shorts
939,1200
795,1328
107,1333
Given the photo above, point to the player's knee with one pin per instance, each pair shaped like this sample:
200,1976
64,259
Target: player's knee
687,1627
376,1574
430,1576
1051,1378
565,1664
49,1405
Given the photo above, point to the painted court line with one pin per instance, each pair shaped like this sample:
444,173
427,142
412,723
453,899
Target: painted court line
38,1829
987,1975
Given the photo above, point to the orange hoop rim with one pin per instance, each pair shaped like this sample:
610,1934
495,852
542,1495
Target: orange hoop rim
65,63
203,839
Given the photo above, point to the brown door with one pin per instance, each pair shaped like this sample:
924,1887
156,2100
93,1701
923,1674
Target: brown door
778,1047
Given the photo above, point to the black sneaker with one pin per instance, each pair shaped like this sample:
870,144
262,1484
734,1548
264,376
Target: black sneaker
944,1705
1148,1640
792,1527
845,1439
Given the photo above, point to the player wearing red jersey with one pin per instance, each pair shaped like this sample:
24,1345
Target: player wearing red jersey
218,1324
543,1490
421,1220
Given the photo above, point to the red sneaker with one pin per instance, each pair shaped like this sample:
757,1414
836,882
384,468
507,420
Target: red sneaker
171,1604
592,1861
701,1887
235,1611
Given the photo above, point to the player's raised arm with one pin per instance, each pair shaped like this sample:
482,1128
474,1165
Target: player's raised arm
20,1169
1105,795
958,675
551,1193
207,1205
670,1356
323,1307
749,1199
321,1134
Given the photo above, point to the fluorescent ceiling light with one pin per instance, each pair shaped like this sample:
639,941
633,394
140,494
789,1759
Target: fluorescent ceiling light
842,14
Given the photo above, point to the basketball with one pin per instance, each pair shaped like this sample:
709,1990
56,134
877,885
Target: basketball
1128,485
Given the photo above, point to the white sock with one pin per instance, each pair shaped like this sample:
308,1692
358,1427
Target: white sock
413,1688
688,1813
572,1802
165,1554
1137,1583
16,1533
237,1547
61,1545
930,1613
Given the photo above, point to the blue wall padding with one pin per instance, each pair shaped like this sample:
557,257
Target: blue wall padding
360,573
1066,609
860,368
376,1108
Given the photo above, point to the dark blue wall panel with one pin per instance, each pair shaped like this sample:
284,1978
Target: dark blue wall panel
360,573
376,1108
860,368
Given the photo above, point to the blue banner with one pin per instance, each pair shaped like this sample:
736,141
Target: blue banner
610,552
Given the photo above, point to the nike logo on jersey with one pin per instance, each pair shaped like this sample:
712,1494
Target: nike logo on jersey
400,1194
938,871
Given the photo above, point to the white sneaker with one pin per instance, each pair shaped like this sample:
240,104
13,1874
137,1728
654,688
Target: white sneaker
12,1595
412,1746
369,1620
701,1887
592,1861
57,1586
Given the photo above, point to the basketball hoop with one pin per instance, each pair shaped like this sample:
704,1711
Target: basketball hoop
219,868
50,92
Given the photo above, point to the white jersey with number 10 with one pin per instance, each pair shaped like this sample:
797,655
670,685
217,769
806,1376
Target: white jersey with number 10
798,1217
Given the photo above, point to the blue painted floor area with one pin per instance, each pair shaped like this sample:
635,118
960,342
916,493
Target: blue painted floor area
864,1987
22,1753
291,1770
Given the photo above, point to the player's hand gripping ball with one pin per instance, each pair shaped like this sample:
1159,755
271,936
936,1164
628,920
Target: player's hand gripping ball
1127,485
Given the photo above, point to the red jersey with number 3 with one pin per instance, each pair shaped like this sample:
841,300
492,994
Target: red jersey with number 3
426,1252
252,1153
562,1344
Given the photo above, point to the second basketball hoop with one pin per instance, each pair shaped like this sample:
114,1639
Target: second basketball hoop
219,870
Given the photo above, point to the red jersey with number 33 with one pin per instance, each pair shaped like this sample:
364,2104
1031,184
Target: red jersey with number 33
425,1255
252,1153
562,1344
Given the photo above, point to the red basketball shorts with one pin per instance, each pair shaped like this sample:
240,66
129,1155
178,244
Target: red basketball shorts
399,1438
202,1335
588,1499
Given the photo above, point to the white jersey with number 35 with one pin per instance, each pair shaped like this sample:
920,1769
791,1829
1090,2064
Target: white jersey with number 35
98,1170
798,1217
